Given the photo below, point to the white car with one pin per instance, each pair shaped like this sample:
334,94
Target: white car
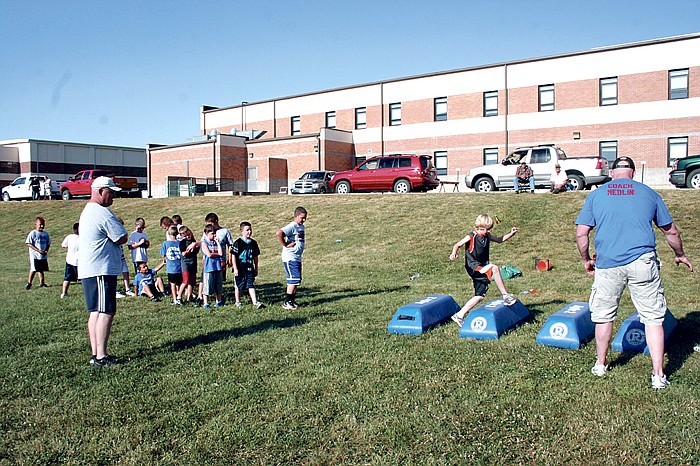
21,188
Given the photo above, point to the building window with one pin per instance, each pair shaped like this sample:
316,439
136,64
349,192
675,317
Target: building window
440,108
490,156
490,103
677,149
608,91
296,125
330,119
440,162
394,114
547,98
678,84
9,167
608,150
361,118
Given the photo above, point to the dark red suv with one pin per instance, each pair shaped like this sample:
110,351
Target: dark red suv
398,173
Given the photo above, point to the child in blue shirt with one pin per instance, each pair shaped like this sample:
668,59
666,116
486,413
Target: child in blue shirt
170,250
211,268
146,283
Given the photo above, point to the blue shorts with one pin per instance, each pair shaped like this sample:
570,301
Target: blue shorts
101,293
292,270
71,273
245,280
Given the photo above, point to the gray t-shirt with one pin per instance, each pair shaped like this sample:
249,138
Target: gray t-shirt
293,232
98,252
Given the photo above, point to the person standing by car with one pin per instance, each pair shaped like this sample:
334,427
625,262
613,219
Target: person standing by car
523,174
99,256
35,185
622,212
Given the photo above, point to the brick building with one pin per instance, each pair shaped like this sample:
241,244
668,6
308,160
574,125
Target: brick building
640,99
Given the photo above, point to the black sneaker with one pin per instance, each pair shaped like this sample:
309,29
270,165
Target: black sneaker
105,362
155,299
43,285
27,286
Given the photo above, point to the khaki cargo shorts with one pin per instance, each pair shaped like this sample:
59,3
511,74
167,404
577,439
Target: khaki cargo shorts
644,281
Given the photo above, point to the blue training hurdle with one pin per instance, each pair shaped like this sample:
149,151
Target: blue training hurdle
569,327
419,316
632,336
490,321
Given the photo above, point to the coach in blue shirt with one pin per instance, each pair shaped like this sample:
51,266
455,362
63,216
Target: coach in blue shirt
622,212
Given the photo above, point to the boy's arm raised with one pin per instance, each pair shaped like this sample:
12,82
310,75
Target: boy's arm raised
458,245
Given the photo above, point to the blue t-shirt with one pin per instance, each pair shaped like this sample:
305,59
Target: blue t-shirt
173,257
622,212
142,280
211,264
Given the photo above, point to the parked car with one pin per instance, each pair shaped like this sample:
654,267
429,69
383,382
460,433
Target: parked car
80,183
686,172
582,171
21,188
315,182
398,173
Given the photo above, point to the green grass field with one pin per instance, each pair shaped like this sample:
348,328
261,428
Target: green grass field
327,384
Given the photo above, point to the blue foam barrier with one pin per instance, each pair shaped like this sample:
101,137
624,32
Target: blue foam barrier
419,316
490,321
632,336
569,327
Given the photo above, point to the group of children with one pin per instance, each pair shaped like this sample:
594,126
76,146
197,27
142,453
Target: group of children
179,254
180,259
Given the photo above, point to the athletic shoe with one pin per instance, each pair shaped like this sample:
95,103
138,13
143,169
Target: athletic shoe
43,285
509,300
289,306
129,293
696,348
63,295
458,320
206,306
27,286
219,304
155,299
93,358
120,295
532,191
659,382
599,370
178,302
106,361
239,304
260,305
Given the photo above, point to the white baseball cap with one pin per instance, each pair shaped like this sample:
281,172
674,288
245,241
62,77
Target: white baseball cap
105,182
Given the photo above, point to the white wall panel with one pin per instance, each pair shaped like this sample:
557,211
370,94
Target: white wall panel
465,82
656,57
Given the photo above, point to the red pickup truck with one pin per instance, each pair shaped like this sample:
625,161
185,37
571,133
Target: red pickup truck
79,184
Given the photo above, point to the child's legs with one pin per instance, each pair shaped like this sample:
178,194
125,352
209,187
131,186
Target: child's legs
126,279
253,295
293,275
159,285
492,272
64,287
469,306
481,286
173,291
147,290
30,277
41,277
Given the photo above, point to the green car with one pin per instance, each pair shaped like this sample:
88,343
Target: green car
686,172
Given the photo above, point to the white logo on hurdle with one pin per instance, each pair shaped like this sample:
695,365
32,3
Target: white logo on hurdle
573,309
426,300
479,324
635,337
558,331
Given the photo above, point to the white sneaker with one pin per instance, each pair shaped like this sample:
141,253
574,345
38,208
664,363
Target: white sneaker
130,293
458,320
258,305
696,348
239,304
659,382
509,299
120,295
599,370
63,295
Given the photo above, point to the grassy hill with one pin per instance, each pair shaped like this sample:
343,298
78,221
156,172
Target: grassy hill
327,384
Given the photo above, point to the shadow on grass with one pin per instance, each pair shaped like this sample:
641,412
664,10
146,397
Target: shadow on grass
314,296
219,335
534,310
686,335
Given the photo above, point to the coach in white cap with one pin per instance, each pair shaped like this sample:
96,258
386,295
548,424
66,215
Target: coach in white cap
99,256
